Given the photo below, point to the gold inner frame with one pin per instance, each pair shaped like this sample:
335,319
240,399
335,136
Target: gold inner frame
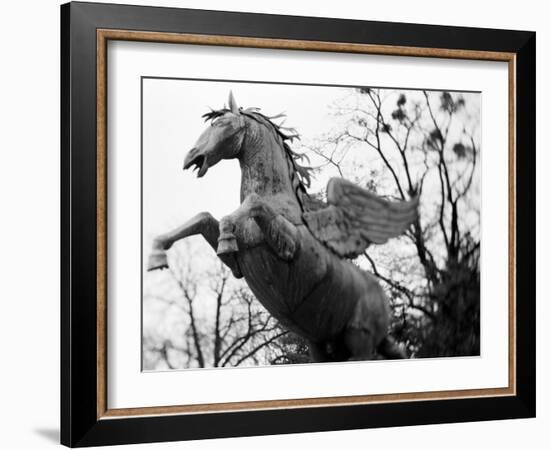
104,35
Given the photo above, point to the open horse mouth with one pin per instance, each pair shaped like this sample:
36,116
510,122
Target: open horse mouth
199,162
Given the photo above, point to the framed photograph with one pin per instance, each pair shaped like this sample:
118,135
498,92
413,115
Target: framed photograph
277,224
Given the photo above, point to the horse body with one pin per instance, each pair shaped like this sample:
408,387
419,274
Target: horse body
340,309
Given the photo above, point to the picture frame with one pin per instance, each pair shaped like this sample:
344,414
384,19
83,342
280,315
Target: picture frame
86,418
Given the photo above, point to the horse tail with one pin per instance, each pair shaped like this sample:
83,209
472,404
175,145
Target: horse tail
390,349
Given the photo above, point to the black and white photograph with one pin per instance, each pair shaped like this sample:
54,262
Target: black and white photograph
295,224
275,225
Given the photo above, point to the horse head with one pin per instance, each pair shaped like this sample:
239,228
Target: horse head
223,139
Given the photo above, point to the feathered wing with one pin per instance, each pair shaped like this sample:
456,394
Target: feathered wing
355,218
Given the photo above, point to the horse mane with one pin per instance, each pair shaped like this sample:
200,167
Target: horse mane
300,174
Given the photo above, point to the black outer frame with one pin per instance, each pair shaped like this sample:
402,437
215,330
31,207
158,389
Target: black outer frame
79,423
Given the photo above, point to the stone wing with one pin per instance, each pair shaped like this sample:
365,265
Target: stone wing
355,218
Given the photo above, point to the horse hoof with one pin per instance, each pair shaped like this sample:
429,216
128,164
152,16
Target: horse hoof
157,260
227,245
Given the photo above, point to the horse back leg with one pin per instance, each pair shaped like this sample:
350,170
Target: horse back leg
318,352
368,325
204,224
362,344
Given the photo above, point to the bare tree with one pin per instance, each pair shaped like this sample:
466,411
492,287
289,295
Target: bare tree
206,318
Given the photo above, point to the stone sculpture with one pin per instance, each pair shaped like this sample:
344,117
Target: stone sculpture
294,251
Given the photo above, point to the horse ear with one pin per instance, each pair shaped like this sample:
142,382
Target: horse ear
233,104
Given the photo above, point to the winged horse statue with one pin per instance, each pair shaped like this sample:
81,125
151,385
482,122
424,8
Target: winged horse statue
293,251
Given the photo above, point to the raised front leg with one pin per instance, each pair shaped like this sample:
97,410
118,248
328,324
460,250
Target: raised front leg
280,234
203,224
